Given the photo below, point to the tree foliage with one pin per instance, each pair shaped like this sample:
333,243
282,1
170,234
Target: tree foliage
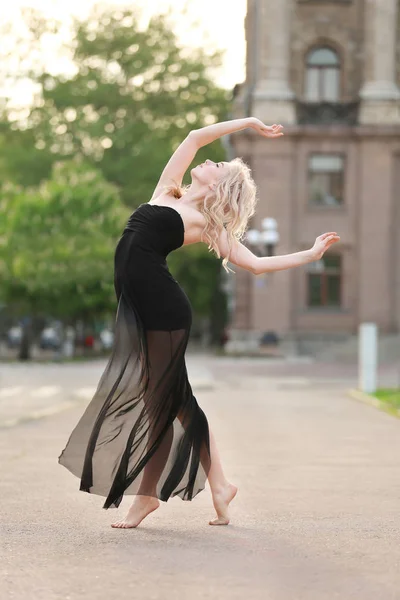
133,98
57,243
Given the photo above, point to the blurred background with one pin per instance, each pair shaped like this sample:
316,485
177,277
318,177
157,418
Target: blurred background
96,97
94,100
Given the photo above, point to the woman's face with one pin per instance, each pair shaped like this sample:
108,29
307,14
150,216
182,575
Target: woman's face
209,172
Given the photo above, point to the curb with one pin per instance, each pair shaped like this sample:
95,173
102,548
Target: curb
373,401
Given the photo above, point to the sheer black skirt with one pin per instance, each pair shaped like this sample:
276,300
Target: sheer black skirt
143,432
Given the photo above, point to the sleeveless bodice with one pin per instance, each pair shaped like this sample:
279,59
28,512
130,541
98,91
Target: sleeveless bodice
156,228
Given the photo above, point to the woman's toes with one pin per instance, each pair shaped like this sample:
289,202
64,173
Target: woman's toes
219,521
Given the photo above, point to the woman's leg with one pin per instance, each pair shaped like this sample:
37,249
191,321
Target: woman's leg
145,500
222,491
216,476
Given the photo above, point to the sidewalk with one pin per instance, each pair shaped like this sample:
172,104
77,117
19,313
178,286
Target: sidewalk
317,515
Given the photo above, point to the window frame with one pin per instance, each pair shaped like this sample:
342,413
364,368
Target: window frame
324,275
325,1
320,69
321,206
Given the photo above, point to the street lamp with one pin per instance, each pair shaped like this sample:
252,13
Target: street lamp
318,266
267,238
264,241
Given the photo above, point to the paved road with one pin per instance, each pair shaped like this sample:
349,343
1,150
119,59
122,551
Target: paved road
317,515
335,373
33,390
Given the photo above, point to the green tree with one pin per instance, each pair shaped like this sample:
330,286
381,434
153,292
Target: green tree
134,97
57,243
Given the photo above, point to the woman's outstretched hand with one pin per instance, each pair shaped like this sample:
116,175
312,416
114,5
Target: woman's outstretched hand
322,243
269,131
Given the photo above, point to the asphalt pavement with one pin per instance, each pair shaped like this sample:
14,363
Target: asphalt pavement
317,514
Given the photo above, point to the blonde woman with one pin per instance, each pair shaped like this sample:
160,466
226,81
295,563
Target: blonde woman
143,433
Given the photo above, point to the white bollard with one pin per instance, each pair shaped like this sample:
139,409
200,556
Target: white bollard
368,357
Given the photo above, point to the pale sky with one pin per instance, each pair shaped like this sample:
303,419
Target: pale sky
208,23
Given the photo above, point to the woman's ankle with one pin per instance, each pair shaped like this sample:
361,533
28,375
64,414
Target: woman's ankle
220,487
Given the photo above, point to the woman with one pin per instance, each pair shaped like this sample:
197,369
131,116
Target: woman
144,433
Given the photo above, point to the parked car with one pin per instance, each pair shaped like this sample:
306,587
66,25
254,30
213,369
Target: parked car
14,336
50,339
106,338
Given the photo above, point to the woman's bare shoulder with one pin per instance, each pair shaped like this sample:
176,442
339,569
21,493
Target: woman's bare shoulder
193,220
191,213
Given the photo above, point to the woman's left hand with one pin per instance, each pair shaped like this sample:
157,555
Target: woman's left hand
269,131
322,243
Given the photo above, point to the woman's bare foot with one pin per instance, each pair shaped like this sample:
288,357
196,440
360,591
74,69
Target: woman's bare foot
221,500
141,507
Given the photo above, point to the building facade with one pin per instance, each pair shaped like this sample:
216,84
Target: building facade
329,71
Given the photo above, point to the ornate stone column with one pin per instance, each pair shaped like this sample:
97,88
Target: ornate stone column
380,94
273,98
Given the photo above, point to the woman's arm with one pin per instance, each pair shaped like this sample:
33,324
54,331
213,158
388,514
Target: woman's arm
243,257
206,135
265,264
185,153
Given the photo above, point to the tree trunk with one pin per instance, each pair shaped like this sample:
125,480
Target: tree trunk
26,340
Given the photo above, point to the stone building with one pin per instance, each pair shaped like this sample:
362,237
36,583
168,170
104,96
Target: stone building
329,71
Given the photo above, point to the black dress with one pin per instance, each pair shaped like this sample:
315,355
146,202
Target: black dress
144,432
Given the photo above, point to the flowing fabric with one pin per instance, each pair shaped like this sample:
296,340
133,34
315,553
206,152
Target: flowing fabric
144,432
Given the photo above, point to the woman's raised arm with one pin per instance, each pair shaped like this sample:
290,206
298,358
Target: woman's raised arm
206,135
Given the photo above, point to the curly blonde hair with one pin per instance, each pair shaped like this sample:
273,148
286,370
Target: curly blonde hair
229,206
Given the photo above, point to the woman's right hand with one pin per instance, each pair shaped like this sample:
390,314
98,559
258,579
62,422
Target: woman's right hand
269,131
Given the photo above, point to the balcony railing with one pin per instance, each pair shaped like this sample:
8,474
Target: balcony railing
327,113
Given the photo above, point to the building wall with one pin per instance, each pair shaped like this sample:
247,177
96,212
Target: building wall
311,221
398,48
396,236
336,24
376,234
369,219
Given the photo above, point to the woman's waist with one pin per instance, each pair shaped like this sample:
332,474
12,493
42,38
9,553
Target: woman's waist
135,253
139,264
136,241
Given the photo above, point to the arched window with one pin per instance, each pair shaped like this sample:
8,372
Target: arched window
322,76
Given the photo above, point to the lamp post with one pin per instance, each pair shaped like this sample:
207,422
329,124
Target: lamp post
264,241
318,266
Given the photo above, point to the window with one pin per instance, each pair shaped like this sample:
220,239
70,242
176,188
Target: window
325,281
325,179
322,76
324,1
